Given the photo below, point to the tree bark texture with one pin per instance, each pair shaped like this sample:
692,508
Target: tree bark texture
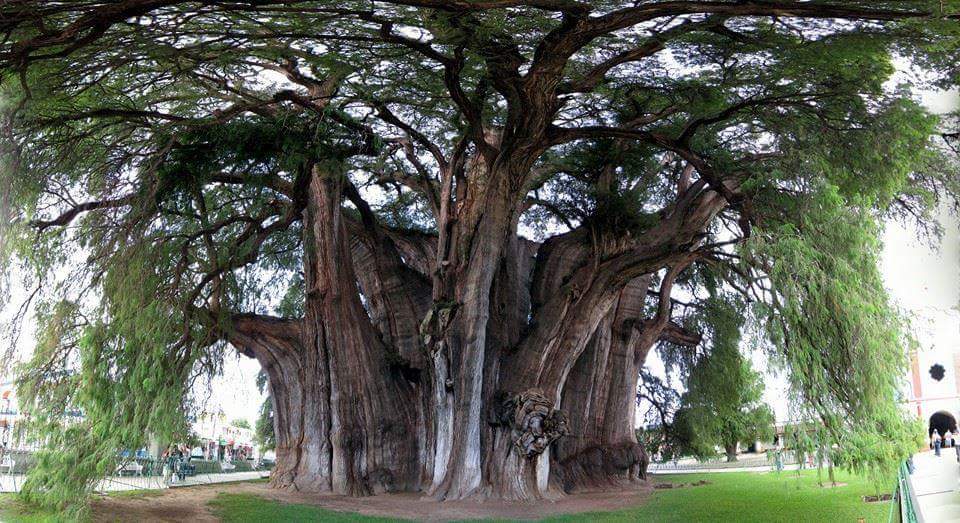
473,363
731,451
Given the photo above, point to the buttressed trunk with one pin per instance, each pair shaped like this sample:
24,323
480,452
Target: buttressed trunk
473,363
346,412
600,401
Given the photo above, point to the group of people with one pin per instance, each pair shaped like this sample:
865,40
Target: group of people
176,462
949,439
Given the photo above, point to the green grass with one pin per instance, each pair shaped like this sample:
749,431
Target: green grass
731,496
750,496
12,510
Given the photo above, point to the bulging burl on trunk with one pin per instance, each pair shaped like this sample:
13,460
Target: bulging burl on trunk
535,424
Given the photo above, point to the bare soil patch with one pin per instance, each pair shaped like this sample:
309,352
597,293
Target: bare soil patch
174,505
190,504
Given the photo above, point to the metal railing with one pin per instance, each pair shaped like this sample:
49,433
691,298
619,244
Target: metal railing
905,508
142,473
744,461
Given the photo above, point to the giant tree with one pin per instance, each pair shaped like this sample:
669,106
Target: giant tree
451,232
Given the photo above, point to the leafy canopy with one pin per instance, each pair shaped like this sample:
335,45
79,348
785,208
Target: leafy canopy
154,155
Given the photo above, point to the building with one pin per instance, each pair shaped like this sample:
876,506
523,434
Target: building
925,281
934,391
220,440
12,420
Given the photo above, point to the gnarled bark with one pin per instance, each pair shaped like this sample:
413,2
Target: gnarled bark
510,373
599,398
373,414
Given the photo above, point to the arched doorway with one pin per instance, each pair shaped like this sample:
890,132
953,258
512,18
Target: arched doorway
942,421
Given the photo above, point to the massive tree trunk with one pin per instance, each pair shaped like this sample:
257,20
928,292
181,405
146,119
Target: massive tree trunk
346,413
373,415
301,401
471,363
600,400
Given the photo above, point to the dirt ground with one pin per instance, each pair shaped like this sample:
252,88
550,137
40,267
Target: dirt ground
190,504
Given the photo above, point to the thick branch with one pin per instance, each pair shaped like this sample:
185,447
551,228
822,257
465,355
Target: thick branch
68,216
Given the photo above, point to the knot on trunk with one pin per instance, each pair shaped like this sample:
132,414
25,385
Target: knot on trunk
531,417
436,322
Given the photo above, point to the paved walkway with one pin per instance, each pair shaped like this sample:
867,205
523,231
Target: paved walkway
936,483
13,482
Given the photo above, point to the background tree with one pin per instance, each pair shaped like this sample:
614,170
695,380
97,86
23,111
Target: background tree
240,423
339,190
723,405
661,438
264,434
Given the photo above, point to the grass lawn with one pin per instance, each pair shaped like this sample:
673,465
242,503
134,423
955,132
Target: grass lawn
732,496
13,511
749,496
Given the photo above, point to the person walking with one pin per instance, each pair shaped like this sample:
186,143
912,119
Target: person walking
166,458
948,439
937,441
779,456
178,463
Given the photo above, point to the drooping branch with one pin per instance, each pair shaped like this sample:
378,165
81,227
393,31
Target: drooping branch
68,216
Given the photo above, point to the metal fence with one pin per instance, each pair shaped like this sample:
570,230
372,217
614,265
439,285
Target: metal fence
142,473
744,461
905,508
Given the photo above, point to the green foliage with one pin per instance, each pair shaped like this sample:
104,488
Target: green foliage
264,431
256,146
618,214
830,319
723,404
130,381
240,423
